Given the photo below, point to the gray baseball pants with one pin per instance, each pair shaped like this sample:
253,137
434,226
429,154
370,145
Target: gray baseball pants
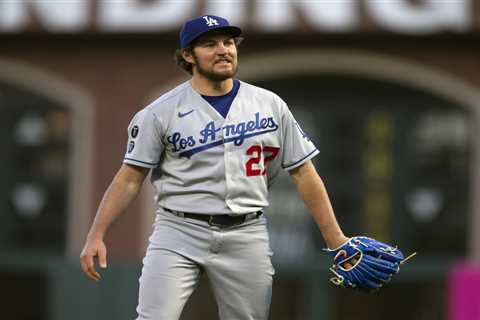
236,260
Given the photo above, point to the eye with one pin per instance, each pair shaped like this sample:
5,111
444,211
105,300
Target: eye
228,42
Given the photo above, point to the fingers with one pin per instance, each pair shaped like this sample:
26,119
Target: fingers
102,257
91,271
87,260
88,267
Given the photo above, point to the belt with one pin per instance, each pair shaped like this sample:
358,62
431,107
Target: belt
221,220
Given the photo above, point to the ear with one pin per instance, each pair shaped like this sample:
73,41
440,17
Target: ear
187,55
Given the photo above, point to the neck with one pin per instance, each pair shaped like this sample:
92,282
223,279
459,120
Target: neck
208,87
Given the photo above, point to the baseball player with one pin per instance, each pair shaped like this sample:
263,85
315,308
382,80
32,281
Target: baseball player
214,144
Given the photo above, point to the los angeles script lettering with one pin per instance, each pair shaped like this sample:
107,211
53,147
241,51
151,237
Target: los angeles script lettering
210,133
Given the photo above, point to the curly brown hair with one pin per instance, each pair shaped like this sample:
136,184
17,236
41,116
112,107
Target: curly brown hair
181,62
187,66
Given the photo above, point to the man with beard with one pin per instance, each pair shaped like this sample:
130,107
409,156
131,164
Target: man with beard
215,145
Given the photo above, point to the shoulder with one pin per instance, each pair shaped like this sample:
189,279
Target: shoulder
164,106
256,89
169,99
264,95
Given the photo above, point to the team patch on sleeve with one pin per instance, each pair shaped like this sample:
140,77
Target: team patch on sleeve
134,131
304,135
131,145
145,145
297,144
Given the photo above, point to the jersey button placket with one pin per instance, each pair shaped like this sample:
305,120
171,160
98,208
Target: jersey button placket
227,150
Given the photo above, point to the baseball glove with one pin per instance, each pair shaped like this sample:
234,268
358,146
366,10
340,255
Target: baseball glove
373,263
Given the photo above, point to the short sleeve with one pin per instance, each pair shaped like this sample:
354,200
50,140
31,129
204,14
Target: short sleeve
145,145
297,145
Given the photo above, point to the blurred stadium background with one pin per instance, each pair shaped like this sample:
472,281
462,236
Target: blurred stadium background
388,90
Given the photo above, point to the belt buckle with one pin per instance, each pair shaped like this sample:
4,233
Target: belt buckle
225,224
213,224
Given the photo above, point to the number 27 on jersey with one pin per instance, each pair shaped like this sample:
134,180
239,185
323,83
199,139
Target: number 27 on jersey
259,154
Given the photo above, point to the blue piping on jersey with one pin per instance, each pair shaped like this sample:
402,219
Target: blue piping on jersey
149,163
191,152
296,162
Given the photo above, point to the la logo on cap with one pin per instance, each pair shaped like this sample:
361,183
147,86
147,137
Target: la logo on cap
210,21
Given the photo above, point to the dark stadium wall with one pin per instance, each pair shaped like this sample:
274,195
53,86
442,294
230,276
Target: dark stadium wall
120,76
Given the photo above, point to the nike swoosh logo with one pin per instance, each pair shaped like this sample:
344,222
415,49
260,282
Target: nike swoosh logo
181,115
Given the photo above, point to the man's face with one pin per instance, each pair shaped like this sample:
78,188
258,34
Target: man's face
215,57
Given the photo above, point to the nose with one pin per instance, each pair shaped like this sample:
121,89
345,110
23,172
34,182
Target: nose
221,48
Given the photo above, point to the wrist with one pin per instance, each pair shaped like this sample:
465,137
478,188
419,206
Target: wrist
336,242
95,235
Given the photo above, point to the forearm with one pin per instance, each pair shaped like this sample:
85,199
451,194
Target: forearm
314,194
121,192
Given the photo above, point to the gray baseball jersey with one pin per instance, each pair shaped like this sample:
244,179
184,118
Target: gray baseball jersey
204,163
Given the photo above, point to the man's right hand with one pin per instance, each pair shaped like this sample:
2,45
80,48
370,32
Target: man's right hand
94,248
121,192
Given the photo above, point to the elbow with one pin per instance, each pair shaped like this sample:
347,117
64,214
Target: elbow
133,187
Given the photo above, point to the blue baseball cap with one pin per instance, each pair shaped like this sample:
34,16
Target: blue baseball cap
194,28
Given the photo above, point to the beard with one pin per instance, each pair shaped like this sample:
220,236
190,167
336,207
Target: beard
216,76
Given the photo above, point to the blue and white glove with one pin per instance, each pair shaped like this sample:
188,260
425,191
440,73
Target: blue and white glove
374,263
